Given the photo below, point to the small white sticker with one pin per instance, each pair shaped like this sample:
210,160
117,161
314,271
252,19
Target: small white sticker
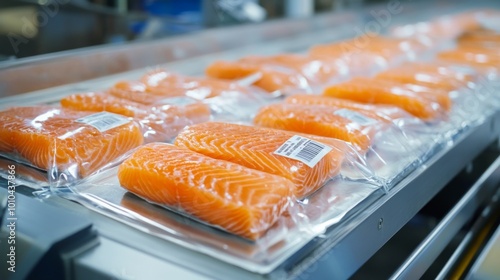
178,101
303,149
104,120
355,117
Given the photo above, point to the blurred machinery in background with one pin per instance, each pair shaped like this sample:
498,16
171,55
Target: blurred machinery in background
32,27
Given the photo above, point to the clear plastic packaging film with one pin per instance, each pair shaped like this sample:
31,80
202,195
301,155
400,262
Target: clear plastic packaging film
67,144
161,83
383,145
160,121
426,106
272,79
318,72
224,208
353,53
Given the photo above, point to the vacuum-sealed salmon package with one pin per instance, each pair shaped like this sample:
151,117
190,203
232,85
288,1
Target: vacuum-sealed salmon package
275,79
67,144
358,60
398,50
428,107
463,84
459,83
161,83
407,123
480,38
480,57
238,193
441,29
365,55
387,150
318,72
307,160
160,118
236,107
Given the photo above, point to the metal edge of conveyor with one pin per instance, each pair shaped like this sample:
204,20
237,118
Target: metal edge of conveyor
430,248
486,265
464,253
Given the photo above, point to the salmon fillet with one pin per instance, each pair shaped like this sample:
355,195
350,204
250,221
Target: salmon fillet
255,147
443,70
160,121
481,38
435,94
50,137
425,77
319,120
161,84
472,56
387,48
314,70
366,91
377,112
243,201
194,87
272,78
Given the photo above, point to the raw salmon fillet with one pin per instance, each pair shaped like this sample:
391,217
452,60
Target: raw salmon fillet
482,38
255,147
51,137
377,112
160,84
441,69
386,48
318,120
366,91
314,70
272,78
435,94
241,200
195,87
481,57
424,77
161,121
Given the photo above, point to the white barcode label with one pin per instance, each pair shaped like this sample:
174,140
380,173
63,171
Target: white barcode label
104,120
178,101
355,117
303,149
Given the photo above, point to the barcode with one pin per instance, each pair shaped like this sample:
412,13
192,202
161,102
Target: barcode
104,121
303,149
310,151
